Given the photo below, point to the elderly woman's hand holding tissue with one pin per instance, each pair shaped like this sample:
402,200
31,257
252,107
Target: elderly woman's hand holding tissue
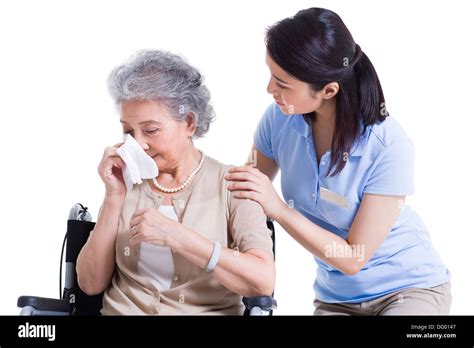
176,242
110,170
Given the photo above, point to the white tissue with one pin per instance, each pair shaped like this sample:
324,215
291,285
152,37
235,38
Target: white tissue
138,165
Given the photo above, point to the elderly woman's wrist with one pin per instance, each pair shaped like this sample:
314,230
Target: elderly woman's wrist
114,198
177,240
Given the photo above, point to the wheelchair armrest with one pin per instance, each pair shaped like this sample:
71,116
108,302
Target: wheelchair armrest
266,303
44,304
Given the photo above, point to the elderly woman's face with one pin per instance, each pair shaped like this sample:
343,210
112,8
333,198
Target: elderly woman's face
160,135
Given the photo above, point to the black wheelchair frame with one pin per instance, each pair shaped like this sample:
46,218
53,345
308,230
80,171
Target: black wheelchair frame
74,302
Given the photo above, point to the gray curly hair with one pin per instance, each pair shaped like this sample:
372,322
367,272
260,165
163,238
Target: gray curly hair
166,78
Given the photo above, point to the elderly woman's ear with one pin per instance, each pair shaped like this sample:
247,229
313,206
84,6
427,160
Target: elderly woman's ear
190,124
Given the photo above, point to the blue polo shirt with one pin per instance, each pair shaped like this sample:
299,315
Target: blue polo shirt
380,162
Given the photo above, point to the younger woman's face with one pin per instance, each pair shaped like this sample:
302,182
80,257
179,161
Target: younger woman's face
292,96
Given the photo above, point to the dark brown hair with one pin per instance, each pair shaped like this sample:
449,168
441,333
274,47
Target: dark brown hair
316,47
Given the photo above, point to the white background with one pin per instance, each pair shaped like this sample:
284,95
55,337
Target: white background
57,117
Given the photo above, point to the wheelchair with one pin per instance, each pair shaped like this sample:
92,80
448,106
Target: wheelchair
74,302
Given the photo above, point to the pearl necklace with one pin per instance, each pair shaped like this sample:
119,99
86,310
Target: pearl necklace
185,183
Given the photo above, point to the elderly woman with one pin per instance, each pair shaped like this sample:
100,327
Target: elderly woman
180,243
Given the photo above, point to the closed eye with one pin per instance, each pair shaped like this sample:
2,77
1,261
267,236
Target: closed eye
150,131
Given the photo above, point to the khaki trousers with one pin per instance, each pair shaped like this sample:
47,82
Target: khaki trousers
410,301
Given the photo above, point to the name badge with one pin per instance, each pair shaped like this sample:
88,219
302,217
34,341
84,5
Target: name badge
333,197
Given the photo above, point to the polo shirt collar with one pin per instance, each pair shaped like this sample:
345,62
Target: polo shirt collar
301,126
358,148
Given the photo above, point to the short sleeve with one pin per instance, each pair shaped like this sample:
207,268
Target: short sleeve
248,225
393,174
263,134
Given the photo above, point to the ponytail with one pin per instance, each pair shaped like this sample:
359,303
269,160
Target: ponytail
359,103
